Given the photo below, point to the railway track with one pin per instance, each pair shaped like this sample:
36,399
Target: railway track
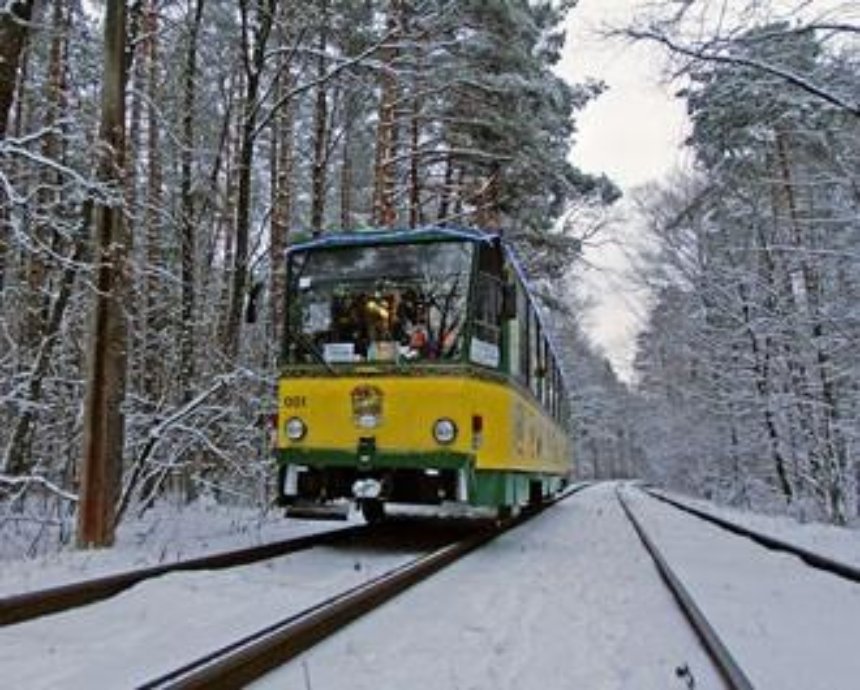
241,662
768,620
723,660
815,560
22,607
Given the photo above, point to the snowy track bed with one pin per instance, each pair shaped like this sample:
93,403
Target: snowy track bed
569,599
829,541
29,605
814,559
163,536
162,623
788,625
249,658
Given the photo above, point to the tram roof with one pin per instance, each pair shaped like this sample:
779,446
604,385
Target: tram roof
360,238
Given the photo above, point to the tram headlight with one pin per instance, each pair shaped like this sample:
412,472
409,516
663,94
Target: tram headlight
444,430
295,429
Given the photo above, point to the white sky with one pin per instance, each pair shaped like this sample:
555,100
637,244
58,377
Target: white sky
633,133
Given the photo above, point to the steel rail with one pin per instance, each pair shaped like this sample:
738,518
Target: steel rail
719,653
22,607
242,662
816,560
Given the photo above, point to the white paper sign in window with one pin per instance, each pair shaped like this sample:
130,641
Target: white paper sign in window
484,353
339,352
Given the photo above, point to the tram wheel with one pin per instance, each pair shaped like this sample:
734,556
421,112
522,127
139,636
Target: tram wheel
504,513
373,510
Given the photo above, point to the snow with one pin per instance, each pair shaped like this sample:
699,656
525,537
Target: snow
165,534
788,625
839,543
160,624
570,599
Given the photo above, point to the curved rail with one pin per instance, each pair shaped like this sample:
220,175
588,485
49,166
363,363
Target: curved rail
250,658
22,607
719,653
843,570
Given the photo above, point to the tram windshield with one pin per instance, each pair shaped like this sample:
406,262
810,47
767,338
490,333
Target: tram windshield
388,303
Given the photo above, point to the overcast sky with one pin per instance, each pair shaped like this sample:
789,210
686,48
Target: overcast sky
633,133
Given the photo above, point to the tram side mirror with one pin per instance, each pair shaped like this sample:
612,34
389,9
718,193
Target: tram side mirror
509,301
253,299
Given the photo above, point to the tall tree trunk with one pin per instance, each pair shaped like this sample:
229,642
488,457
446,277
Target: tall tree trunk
414,168
44,233
14,82
318,177
153,293
103,432
346,164
14,27
445,193
225,233
460,194
282,195
41,268
415,213
186,209
830,448
254,55
15,458
134,197
384,210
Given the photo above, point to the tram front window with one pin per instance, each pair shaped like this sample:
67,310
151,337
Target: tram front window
389,303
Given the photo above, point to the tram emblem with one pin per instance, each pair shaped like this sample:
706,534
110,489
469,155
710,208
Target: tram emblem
367,406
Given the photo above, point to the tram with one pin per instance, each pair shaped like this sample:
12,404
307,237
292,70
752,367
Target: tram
415,370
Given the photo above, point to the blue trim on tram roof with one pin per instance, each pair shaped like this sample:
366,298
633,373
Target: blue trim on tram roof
395,236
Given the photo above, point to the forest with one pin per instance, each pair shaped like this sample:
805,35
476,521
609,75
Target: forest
158,156
748,364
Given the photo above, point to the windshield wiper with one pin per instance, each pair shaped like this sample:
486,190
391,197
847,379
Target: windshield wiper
304,341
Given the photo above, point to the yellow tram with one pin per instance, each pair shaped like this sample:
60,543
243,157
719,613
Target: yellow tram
415,369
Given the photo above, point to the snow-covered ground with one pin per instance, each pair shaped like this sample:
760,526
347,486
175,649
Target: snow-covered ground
569,599
162,623
165,534
787,625
839,543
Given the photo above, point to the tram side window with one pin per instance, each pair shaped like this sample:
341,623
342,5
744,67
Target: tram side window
549,380
488,306
547,376
485,347
524,315
560,400
534,353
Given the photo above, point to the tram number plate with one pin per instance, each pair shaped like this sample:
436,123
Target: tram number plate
295,401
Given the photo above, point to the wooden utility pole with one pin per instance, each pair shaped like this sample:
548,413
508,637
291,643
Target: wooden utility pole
103,435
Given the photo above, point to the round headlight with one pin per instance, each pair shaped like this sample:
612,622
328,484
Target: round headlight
444,430
295,429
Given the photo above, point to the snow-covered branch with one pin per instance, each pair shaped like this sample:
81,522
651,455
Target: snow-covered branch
26,482
707,55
